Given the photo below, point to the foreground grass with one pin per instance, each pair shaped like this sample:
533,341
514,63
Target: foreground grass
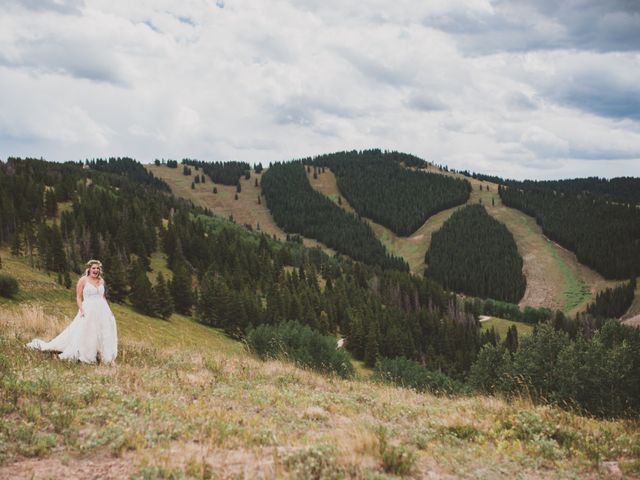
176,409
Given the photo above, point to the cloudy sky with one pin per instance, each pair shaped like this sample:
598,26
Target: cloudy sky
516,88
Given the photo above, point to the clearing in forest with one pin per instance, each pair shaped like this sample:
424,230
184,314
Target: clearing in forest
246,210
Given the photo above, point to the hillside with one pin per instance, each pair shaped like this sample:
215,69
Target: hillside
184,401
244,211
555,278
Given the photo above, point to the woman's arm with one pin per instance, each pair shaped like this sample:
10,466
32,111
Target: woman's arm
79,289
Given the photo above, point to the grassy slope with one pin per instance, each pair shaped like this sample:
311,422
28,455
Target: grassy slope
501,325
245,210
555,278
184,401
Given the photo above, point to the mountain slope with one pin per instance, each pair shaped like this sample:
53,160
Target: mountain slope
245,211
195,405
555,278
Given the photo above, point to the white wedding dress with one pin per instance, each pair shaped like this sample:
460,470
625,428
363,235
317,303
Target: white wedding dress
90,337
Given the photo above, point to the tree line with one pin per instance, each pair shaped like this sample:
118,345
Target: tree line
226,173
616,190
379,187
613,302
604,235
475,254
298,208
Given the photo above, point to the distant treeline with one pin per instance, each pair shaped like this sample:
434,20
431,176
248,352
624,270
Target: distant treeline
475,254
378,187
613,302
603,235
298,208
226,173
618,190
129,167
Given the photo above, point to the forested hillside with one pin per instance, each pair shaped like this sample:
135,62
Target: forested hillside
617,190
604,235
298,208
226,173
56,216
475,254
378,187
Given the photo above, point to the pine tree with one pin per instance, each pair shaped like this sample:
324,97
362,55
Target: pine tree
50,203
511,342
57,259
164,302
142,295
371,345
206,307
116,279
16,245
181,289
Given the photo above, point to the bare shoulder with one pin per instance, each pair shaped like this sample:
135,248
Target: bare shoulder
81,281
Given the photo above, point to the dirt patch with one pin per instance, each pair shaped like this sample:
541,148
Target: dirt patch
70,469
633,321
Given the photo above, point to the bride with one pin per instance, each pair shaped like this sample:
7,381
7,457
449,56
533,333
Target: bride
91,336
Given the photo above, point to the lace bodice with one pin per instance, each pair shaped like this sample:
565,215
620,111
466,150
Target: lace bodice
90,291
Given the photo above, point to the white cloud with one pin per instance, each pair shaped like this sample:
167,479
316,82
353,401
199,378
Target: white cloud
262,81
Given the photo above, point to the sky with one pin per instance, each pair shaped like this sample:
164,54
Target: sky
536,89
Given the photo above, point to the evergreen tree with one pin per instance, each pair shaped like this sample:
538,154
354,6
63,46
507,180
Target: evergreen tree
50,203
206,304
142,295
116,279
511,342
371,345
16,245
164,302
181,289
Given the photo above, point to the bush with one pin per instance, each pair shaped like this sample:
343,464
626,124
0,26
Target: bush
302,345
409,374
8,286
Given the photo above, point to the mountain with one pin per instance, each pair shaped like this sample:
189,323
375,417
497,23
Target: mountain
235,271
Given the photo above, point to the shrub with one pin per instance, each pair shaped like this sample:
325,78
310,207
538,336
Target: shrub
300,344
8,286
407,373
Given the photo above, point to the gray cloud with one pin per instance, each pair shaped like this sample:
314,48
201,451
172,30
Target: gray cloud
67,7
65,56
603,95
522,25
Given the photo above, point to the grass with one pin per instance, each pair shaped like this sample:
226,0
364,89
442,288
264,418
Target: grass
184,401
244,211
575,291
501,326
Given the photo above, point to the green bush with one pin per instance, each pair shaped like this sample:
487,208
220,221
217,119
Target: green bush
407,373
302,345
598,375
8,286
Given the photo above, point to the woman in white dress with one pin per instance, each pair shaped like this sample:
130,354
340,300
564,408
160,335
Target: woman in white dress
92,335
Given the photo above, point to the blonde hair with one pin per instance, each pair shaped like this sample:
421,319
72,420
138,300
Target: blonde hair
90,263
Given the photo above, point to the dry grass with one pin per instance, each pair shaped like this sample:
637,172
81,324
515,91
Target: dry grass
244,211
30,320
173,410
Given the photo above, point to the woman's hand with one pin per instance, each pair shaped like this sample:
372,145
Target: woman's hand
81,312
